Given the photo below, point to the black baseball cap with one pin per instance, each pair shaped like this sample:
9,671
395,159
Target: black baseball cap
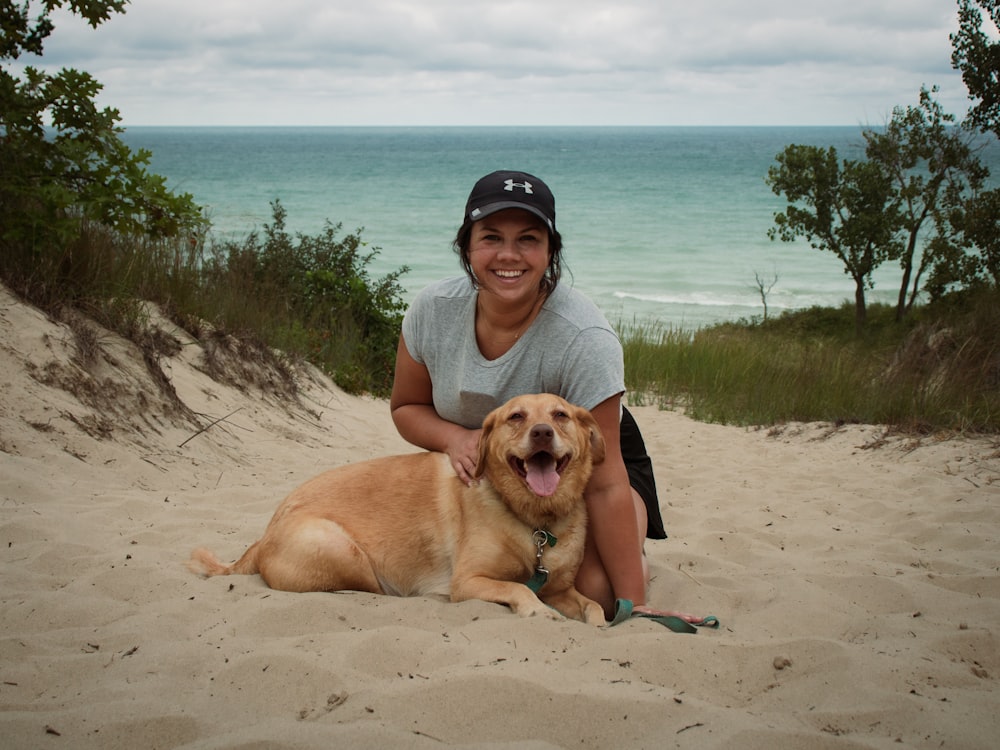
505,189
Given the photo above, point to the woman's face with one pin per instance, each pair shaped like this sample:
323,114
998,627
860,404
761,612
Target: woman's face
509,253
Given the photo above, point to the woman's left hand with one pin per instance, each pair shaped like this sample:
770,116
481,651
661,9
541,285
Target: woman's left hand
645,609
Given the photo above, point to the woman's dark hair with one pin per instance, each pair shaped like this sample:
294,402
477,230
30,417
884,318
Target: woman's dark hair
552,274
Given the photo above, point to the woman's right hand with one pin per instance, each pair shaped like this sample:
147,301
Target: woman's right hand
463,450
412,406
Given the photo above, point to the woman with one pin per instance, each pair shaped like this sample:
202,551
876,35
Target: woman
470,343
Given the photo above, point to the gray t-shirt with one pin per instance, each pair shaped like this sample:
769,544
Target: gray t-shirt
570,350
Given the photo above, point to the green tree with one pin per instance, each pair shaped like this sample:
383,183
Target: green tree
849,209
974,257
981,229
966,249
61,158
932,166
978,58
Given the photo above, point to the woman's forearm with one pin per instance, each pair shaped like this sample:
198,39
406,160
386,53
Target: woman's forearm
420,424
615,531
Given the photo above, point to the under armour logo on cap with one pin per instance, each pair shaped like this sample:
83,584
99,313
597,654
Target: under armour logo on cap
509,185
502,190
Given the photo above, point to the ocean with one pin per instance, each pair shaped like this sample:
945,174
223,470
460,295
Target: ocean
665,224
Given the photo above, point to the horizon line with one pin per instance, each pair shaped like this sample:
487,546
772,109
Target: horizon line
471,126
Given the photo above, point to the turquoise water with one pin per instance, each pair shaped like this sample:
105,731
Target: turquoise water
662,223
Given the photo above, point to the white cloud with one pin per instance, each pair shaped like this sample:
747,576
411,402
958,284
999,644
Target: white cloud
539,62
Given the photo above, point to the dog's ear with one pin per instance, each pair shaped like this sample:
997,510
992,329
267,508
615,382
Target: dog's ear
489,424
597,445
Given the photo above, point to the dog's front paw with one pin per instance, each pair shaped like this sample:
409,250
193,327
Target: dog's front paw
575,605
593,614
535,607
543,610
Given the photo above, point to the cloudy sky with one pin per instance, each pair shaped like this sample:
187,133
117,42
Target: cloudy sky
515,62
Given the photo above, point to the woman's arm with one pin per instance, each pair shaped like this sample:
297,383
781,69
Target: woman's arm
412,406
613,566
613,524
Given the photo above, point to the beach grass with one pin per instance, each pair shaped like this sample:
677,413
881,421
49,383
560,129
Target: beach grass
937,370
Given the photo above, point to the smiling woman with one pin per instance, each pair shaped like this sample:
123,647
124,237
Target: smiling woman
508,328
509,256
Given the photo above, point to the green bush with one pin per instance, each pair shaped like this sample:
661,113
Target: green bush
309,295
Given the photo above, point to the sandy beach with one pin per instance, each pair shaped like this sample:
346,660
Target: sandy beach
855,576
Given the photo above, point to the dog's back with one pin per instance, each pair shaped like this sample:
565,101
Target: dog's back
395,512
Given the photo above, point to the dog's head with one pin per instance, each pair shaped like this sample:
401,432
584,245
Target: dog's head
540,447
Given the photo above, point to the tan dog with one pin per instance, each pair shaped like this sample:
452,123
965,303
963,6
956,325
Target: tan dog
407,526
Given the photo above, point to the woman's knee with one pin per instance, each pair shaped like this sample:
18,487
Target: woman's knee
592,581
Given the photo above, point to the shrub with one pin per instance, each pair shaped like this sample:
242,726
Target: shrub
312,296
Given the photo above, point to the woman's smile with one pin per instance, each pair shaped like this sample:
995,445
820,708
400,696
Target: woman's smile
512,248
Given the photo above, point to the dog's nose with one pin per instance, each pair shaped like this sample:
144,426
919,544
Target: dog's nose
542,433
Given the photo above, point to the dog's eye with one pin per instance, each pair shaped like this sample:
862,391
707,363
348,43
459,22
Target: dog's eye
516,417
560,415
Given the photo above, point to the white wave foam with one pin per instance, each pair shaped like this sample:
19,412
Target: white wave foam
705,299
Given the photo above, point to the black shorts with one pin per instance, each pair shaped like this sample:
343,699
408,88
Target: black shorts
640,474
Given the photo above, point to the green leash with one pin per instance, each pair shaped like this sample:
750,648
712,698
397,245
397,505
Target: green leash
624,611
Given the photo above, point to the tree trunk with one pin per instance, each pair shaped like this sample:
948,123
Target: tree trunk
860,311
907,261
904,288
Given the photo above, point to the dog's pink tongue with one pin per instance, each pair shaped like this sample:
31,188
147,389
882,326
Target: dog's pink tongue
542,475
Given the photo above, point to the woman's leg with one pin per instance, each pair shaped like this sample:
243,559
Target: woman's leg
640,475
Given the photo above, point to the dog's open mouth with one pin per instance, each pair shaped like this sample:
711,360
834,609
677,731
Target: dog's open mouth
541,471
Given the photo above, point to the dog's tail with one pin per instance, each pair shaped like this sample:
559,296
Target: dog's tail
205,563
